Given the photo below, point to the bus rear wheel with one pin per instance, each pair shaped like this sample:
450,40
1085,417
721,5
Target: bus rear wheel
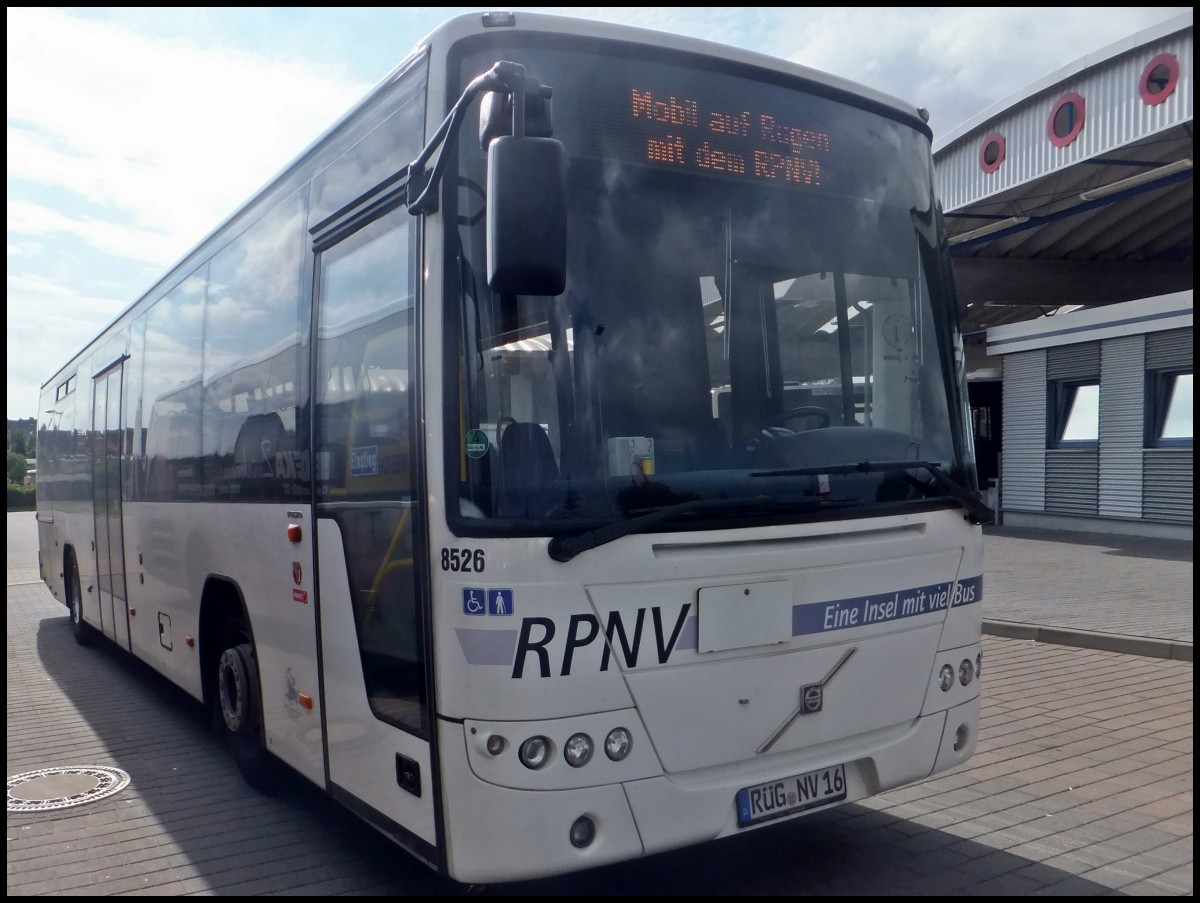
238,709
84,633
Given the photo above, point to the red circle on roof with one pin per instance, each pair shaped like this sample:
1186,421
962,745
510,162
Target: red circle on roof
1066,120
1159,78
991,152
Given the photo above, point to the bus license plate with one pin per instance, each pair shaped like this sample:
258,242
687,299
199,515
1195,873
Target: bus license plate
776,799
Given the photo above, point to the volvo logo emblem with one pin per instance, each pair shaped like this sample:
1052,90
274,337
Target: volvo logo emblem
812,700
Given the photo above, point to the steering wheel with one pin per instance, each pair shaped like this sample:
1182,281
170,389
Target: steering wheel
810,410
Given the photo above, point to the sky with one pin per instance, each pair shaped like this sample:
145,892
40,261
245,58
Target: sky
133,132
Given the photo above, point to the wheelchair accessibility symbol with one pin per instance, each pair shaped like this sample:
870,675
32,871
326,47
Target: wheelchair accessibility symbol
480,601
474,601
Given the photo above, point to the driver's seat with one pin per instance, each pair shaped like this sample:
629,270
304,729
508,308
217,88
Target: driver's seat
528,470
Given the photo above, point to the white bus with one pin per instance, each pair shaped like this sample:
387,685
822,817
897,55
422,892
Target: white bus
412,472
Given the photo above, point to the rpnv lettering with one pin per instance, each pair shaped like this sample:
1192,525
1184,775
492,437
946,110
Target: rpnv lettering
536,640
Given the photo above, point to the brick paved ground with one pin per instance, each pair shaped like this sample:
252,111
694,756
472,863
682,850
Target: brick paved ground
1100,587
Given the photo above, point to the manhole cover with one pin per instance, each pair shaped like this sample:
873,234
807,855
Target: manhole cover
61,788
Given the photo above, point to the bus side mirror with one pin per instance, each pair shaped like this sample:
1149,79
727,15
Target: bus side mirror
526,216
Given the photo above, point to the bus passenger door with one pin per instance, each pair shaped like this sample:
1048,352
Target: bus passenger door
106,503
371,526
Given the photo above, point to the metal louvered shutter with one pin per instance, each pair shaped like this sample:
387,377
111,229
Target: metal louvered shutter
1080,361
1122,426
1171,350
1167,472
1023,464
1168,485
1073,481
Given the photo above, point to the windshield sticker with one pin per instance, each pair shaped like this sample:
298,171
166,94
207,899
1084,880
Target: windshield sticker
364,461
476,443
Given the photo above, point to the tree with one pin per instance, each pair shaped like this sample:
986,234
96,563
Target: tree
16,468
21,436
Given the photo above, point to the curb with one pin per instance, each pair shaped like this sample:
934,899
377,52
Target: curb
1090,639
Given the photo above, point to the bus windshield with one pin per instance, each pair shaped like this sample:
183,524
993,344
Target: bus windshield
753,302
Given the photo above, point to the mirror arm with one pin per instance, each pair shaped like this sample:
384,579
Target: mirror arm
505,77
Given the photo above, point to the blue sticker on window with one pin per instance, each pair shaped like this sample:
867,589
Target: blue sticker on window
364,461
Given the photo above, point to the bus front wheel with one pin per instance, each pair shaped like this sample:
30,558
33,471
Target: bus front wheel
84,633
239,709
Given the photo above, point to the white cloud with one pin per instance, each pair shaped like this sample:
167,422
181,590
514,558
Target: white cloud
135,148
168,133
29,219
45,321
957,61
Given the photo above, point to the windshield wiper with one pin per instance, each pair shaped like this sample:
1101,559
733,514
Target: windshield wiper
564,548
978,512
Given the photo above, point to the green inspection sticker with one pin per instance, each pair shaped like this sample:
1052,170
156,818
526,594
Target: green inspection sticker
477,443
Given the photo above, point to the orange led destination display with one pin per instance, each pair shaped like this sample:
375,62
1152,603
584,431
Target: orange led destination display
680,131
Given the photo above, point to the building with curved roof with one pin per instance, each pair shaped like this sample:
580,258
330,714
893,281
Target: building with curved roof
1069,212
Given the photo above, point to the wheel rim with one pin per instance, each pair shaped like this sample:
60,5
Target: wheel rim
233,684
76,602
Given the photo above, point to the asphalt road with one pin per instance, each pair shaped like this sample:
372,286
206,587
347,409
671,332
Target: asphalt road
1081,784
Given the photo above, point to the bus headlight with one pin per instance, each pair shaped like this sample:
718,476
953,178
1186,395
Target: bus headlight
617,743
946,678
534,752
966,672
578,750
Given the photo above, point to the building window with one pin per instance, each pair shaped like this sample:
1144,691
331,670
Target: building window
1159,79
1075,419
991,152
1066,120
1169,408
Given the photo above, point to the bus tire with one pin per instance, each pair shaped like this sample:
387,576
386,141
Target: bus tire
239,709
84,633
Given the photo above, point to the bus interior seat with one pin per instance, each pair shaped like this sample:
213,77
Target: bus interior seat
261,436
660,387
231,427
528,470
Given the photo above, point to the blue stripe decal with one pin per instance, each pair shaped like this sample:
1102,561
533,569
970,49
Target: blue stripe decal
860,611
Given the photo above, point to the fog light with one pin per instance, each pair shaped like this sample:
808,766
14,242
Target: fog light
583,832
617,744
534,752
496,744
946,678
966,672
578,750
960,737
